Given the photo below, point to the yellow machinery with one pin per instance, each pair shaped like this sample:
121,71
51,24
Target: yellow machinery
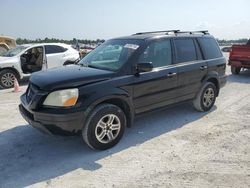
6,43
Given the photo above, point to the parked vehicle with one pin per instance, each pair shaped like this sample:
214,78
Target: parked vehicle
239,57
26,59
226,49
99,97
6,43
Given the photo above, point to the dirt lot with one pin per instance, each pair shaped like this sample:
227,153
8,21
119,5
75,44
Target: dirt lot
175,147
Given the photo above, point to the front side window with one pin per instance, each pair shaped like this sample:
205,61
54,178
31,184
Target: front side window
158,53
111,55
52,49
185,50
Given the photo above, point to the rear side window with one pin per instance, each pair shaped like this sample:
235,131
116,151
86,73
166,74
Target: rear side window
185,50
158,53
52,49
210,48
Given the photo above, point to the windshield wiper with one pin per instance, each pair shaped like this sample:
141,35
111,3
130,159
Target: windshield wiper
92,66
88,65
83,64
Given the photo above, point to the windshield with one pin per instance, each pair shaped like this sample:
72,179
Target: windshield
14,51
111,55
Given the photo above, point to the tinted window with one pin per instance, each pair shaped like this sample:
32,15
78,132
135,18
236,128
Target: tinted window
210,48
52,49
185,50
159,53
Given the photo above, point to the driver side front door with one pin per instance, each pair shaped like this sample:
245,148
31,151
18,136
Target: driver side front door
156,88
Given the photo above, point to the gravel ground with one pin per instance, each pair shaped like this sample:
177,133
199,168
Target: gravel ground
175,147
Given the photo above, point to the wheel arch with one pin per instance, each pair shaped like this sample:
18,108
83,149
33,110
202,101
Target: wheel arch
12,69
214,78
120,101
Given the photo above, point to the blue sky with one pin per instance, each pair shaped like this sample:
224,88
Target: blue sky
92,19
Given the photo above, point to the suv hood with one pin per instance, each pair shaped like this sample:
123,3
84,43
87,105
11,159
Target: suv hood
68,76
13,59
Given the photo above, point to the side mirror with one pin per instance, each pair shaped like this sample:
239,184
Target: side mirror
23,60
144,67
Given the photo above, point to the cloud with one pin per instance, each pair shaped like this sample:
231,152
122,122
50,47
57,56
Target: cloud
203,26
240,23
207,26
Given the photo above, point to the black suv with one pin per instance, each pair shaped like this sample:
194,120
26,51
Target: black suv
121,78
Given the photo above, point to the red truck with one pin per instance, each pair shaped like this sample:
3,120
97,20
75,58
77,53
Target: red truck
239,57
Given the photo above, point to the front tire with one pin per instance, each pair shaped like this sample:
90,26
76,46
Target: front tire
7,78
206,97
104,127
235,70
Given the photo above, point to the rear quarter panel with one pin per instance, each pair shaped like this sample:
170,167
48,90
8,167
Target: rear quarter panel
217,69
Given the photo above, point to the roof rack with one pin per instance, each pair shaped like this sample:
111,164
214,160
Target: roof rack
205,32
151,32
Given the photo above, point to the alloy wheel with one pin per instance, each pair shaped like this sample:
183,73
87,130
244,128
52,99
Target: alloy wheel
108,128
208,97
8,79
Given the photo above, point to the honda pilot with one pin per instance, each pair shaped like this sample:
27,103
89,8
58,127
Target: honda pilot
99,97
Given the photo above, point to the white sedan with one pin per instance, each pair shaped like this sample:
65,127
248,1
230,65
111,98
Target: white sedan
26,59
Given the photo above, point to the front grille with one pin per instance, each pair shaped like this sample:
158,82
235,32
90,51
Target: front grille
34,96
29,93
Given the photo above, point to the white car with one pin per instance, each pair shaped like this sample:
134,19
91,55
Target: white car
26,59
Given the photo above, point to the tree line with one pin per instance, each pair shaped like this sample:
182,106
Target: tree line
54,40
224,42
86,41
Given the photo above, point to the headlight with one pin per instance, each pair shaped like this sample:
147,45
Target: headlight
62,98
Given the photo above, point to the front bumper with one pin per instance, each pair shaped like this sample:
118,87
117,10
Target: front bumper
53,121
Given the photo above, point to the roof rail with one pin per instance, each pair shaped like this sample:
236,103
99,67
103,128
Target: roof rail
151,32
205,32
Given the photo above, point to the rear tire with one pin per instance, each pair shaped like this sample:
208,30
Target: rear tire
104,127
235,70
7,77
206,97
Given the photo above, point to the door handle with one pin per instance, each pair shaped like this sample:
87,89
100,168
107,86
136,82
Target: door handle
203,67
171,74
